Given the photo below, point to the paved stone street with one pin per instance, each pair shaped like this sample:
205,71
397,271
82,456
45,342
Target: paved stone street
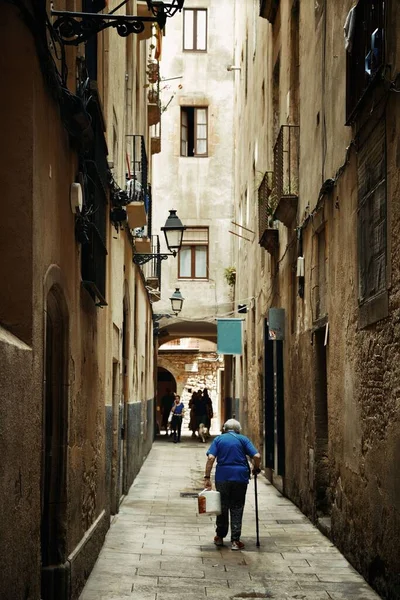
159,548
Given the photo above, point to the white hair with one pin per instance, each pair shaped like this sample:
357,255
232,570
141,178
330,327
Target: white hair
232,425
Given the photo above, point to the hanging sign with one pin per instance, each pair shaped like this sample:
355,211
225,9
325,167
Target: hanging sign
276,324
229,336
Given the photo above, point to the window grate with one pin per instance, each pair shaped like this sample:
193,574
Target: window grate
266,203
372,235
286,162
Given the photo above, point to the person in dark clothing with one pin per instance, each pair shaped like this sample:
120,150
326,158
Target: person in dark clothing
209,408
167,402
192,407
231,479
200,411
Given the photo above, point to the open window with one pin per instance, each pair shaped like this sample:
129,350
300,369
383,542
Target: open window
194,131
365,30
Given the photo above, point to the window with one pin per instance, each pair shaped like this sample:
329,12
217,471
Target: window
193,256
193,131
372,214
365,51
195,30
94,224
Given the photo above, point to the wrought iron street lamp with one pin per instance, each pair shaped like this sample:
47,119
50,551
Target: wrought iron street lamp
173,231
75,28
177,301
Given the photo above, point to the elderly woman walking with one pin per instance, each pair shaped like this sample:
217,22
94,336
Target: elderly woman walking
231,479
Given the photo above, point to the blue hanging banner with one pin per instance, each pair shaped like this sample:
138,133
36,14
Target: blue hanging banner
229,336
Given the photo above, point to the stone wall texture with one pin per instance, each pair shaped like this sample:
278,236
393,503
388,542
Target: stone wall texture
341,436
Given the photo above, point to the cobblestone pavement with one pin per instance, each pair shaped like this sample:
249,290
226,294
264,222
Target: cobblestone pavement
159,548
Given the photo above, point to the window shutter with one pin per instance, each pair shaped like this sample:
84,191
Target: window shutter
372,234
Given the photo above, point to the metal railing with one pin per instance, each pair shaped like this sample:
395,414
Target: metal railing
137,169
266,202
286,162
152,269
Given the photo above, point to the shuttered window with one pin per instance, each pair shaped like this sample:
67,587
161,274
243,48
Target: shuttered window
372,234
193,255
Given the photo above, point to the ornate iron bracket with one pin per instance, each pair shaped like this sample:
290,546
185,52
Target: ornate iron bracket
74,28
141,259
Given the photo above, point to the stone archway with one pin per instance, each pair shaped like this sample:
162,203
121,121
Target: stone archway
166,380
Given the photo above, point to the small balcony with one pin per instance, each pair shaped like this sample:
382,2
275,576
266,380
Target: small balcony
152,271
286,174
154,113
138,209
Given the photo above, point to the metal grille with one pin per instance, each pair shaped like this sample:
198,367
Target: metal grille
152,269
366,55
95,183
286,162
372,235
266,204
137,165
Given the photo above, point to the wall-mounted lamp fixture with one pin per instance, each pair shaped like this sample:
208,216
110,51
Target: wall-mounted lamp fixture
75,28
173,231
176,301
233,68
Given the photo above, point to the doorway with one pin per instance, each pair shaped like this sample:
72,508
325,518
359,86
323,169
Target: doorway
322,497
274,413
165,381
55,417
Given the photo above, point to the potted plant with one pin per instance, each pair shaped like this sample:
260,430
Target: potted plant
230,275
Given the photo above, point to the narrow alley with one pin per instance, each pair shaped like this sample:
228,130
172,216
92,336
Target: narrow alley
159,548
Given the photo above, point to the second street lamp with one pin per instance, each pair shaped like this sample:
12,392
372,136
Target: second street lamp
176,301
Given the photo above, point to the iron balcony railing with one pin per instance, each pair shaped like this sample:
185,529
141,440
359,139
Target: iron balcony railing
152,269
266,203
286,162
137,170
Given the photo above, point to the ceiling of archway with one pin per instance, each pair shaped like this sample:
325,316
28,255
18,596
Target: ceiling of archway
171,330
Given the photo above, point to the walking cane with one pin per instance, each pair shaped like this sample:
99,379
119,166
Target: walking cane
256,501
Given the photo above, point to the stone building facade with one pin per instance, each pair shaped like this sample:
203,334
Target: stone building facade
76,331
316,180
193,172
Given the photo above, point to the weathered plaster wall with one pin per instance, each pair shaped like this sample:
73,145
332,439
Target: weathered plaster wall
362,363
199,188
39,250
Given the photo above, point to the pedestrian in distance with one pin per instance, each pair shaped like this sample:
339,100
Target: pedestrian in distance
200,409
232,475
167,402
210,410
192,407
178,412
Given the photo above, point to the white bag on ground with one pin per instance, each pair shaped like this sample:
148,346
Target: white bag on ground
209,502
